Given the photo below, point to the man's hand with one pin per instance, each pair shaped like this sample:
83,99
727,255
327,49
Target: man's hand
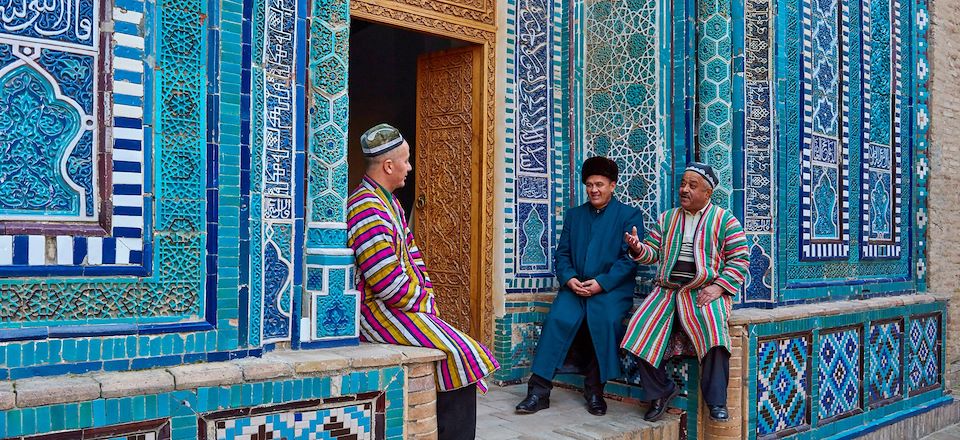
577,287
592,287
633,241
709,294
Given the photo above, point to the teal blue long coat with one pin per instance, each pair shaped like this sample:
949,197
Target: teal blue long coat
591,247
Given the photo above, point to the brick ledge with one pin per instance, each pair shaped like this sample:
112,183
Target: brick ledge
40,391
785,313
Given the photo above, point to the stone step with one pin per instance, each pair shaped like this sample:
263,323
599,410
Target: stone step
567,418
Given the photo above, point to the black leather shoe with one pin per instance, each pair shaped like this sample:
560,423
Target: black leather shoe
532,404
659,406
718,413
596,405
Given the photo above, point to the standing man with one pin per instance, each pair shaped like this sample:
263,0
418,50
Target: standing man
398,305
703,259
598,279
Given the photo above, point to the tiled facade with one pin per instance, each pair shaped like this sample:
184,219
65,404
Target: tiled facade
173,177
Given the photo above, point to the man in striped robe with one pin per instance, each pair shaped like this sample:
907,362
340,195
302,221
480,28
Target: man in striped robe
703,259
398,303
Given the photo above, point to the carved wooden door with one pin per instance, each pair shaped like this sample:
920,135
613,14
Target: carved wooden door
446,210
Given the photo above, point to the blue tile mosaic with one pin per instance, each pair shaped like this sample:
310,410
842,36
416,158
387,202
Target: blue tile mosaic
885,351
840,373
924,348
783,384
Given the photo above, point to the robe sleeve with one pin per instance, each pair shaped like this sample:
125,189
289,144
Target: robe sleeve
736,256
563,260
371,238
650,246
418,259
624,269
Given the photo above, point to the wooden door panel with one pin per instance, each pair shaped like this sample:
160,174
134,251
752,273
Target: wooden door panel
447,171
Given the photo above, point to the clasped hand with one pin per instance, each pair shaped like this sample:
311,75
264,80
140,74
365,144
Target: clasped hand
585,289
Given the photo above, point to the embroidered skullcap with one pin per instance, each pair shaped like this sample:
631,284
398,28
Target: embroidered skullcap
599,166
379,140
704,170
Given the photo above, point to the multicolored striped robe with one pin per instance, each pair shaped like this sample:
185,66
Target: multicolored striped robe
398,305
722,258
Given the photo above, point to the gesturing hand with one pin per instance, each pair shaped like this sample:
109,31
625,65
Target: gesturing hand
633,241
577,287
709,294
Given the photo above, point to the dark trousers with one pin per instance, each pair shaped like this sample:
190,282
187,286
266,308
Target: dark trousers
715,374
581,358
457,414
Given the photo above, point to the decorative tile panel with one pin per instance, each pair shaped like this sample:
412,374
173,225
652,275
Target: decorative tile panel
924,348
169,145
840,374
533,188
148,430
758,119
883,158
52,60
885,349
825,205
623,114
345,423
714,94
783,384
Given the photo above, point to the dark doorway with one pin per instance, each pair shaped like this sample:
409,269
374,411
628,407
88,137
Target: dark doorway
383,88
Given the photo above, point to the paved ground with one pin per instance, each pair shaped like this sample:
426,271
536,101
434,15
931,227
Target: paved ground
949,433
567,418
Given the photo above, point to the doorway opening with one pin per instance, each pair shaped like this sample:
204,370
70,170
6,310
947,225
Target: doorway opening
432,89
383,89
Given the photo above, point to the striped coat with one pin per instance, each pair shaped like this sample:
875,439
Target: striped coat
398,305
722,258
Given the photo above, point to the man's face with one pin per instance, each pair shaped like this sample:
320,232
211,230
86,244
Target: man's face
695,192
599,190
398,165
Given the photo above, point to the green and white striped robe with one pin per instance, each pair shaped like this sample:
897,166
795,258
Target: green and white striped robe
722,258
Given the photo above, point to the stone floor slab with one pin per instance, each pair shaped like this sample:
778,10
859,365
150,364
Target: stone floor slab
567,418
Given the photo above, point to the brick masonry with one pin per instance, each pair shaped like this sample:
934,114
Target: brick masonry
944,137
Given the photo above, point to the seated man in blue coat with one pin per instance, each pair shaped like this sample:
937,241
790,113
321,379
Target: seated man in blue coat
598,277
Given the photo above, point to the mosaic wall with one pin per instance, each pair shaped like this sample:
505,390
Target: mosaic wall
534,130
848,220
620,99
363,420
828,375
150,430
714,95
358,405
137,206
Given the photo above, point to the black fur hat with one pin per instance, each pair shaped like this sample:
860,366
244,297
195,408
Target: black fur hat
599,166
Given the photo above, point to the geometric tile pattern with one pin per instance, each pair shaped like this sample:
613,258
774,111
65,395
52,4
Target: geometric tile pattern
783,369
882,149
840,373
714,110
353,422
885,351
325,163
622,115
920,124
171,98
149,430
56,65
923,353
825,198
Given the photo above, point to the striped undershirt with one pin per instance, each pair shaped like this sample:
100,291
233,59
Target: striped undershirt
685,269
